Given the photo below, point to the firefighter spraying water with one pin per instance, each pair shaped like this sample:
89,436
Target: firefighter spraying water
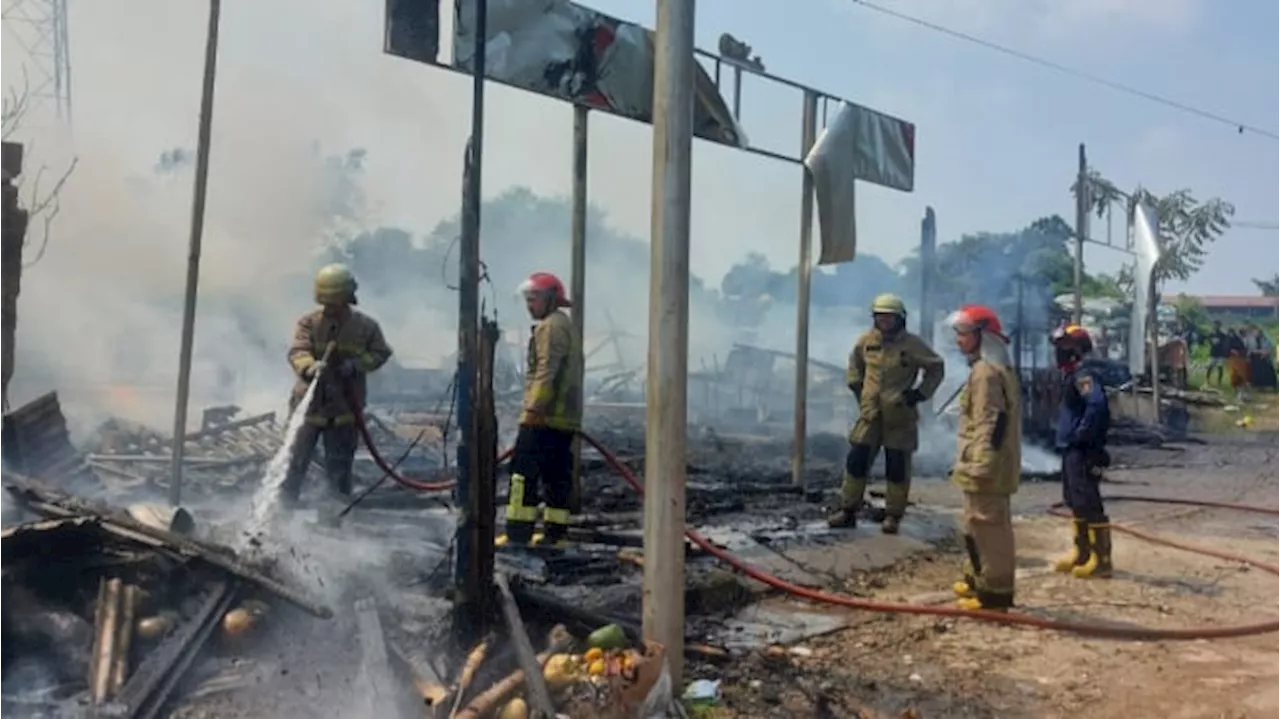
333,348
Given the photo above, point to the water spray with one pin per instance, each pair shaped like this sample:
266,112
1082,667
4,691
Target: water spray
267,499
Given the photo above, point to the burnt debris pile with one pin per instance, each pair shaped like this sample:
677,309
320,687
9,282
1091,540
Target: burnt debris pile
108,608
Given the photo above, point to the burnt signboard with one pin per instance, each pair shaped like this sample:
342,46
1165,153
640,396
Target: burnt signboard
559,49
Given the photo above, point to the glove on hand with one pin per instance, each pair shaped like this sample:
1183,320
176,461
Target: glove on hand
316,369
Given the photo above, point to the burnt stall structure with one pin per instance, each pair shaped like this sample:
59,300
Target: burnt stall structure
12,239
109,609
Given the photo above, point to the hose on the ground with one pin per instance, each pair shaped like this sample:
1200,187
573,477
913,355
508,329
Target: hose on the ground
1083,628
1110,631
417,485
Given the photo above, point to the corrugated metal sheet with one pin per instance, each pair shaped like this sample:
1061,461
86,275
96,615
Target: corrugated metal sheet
36,443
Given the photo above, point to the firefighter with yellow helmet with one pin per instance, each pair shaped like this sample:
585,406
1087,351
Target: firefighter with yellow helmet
542,460
340,346
890,372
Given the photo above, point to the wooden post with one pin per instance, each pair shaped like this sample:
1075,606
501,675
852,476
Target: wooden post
665,390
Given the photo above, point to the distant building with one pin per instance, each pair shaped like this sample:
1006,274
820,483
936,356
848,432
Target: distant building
1251,306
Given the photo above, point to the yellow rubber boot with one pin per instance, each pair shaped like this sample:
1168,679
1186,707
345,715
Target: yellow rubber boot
987,600
1079,552
1098,565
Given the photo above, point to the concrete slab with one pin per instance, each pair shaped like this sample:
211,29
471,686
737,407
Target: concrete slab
812,554
784,622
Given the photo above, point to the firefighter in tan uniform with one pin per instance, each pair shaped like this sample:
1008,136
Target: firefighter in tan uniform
542,461
358,348
884,367
988,461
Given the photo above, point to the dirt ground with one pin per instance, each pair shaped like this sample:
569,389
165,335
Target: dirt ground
910,666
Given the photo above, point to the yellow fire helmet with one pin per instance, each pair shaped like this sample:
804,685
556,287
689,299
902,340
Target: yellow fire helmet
335,285
888,304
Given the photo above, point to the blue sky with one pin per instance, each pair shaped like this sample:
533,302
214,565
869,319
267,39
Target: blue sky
996,141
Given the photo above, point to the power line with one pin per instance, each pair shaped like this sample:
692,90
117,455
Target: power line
1240,127
1255,225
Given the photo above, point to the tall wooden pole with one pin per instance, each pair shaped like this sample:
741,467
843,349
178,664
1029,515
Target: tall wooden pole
193,252
665,392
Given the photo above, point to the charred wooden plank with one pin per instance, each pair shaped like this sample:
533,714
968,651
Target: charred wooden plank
539,694
53,503
124,637
145,693
222,429
163,459
489,701
106,623
375,665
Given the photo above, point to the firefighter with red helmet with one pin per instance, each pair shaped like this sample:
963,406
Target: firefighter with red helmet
542,461
988,461
1084,416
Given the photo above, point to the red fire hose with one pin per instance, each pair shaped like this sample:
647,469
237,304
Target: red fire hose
418,485
817,595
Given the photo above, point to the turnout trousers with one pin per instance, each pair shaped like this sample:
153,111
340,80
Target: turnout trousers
897,475
1080,478
990,560
340,443
541,470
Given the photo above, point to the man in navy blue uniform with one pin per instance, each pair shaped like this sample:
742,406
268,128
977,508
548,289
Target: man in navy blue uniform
1083,420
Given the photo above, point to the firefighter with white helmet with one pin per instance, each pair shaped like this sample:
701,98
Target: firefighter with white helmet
542,461
340,346
890,372
988,461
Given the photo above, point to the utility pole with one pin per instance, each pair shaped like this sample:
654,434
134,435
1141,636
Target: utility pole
578,277
1154,329
1082,232
808,135
668,360
1021,330
473,573
193,252
928,251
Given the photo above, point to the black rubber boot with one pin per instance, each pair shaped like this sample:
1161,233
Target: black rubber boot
1099,562
843,518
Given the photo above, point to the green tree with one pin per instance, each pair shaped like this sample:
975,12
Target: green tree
1188,226
1268,288
1108,286
988,268
1191,312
